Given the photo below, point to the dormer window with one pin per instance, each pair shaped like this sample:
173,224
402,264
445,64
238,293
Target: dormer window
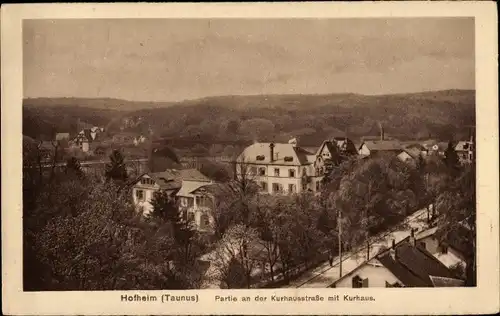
288,158
260,157
147,181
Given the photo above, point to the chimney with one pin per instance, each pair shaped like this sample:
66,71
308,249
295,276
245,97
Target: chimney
412,237
392,251
382,134
271,149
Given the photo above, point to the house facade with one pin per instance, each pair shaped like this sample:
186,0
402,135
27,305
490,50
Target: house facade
465,151
195,205
81,141
279,168
181,185
405,264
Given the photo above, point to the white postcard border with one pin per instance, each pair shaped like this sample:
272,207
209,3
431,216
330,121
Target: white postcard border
483,299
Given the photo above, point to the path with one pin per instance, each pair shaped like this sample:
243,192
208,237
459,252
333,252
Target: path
324,275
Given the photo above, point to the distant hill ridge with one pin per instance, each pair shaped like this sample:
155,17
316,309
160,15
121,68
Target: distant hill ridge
312,118
242,101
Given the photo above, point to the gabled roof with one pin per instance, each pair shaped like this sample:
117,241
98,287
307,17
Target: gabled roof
60,136
415,146
188,187
87,133
174,179
463,146
281,150
445,282
383,145
413,152
413,265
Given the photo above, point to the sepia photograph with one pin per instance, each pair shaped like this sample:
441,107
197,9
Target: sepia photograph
215,153
177,154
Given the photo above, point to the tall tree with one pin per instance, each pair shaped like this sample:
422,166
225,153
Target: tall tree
456,205
116,169
73,167
451,159
164,207
166,212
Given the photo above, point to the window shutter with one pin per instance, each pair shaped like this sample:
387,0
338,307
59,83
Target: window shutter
365,282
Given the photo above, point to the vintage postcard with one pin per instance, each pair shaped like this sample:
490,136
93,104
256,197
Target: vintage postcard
250,158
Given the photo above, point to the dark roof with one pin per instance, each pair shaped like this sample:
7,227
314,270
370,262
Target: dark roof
302,154
413,152
446,282
224,189
87,132
413,265
172,179
383,145
415,146
332,148
457,240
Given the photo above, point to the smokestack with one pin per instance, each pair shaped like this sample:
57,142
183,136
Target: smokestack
381,127
271,150
412,237
392,251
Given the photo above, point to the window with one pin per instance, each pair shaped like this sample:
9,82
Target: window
204,221
358,282
304,186
291,173
262,171
288,158
190,217
277,172
276,187
198,200
147,181
317,171
317,186
291,188
139,194
260,157
263,186
253,170
444,249
184,215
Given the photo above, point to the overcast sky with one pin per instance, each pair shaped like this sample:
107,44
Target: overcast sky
170,60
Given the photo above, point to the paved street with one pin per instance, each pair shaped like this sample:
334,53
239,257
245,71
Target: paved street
324,275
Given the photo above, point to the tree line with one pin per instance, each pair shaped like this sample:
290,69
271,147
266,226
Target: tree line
83,232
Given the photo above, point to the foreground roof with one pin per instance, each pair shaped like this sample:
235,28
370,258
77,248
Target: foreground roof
413,265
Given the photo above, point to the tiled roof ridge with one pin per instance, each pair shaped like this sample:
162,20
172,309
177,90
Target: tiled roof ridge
426,280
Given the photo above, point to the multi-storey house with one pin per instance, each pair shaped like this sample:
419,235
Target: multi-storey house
181,185
281,168
465,151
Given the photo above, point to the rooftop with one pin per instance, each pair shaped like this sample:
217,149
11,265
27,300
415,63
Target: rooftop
383,145
284,154
413,265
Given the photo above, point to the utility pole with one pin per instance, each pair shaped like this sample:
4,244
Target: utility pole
339,223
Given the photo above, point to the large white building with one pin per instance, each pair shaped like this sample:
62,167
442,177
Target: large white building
285,168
